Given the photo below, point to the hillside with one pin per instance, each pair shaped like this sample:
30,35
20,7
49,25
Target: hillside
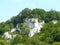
31,27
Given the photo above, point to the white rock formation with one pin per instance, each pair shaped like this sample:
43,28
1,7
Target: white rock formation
34,25
18,28
54,21
12,30
29,23
7,35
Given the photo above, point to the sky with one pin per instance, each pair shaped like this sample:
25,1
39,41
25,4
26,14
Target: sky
10,8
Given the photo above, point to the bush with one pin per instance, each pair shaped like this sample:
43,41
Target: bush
56,43
2,42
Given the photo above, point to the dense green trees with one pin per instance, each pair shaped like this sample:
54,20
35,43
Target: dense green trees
51,32
4,27
39,12
51,15
25,13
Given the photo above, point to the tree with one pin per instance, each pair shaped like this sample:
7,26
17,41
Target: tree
20,39
51,32
25,13
51,15
39,12
17,40
24,29
4,27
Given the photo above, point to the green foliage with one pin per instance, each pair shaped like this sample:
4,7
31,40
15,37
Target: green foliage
15,20
2,42
25,12
20,39
56,43
51,32
4,27
38,13
17,40
25,29
51,15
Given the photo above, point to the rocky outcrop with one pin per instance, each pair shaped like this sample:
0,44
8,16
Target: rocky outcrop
34,25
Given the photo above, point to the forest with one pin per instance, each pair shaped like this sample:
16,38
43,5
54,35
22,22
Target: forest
48,35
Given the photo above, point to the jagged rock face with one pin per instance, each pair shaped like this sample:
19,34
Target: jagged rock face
29,23
34,25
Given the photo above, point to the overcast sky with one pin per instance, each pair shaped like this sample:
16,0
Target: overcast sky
9,8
